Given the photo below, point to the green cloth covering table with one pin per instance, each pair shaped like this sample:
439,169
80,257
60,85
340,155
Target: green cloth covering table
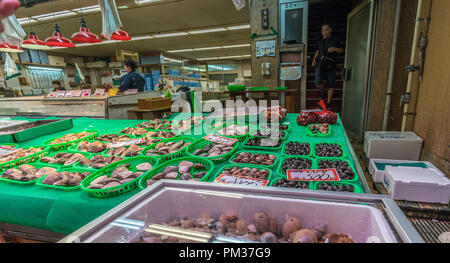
66,211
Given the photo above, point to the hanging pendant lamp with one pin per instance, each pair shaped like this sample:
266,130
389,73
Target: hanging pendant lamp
57,40
6,47
84,35
33,42
118,35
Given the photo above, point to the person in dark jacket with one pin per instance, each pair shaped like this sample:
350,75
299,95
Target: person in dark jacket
131,80
325,61
57,86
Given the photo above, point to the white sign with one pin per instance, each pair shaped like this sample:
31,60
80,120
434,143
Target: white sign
313,175
241,180
265,48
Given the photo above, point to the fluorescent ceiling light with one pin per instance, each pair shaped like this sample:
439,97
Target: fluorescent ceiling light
87,9
171,34
180,50
230,57
206,48
44,68
207,30
207,58
122,7
50,16
143,2
233,46
238,27
26,20
173,60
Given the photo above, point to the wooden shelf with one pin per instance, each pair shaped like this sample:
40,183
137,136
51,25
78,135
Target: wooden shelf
180,77
39,65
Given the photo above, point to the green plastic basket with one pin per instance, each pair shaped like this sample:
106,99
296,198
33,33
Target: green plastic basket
288,155
51,154
240,138
27,159
36,165
280,165
344,150
9,144
236,87
274,180
177,133
350,164
311,134
209,166
258,89
282,138
167,157
264,126
73,148
356,188
256,165
269,176
120,189
65,145
116,133
66,188
215,159
78,165
280,88
260,147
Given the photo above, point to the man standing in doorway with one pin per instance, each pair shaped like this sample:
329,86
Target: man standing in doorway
325,61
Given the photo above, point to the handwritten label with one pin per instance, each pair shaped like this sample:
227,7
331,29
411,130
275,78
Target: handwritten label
219,139
126,143
60,94
241,180
313,175
69,94
76,93
99,92
86,93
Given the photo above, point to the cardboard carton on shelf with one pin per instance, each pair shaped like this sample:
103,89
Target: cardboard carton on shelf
154,103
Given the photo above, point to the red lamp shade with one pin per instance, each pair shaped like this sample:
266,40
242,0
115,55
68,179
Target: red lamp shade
6,47
57,40
33,42
118,35
84,35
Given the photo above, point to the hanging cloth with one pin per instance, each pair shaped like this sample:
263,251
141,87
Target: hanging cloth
13,33
110,17
11,68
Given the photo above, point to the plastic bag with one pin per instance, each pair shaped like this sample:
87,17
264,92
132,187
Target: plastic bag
13,32
306,118
328,117
7,8
110,17
11,68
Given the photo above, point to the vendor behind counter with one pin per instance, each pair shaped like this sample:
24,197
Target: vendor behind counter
131,80
57,86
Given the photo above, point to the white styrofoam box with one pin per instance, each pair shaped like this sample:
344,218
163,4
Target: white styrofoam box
417,184
116,64
378,175
56,61
96,64
392,145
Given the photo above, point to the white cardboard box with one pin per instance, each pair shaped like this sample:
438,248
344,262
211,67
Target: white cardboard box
56,61
96,64
116,64
417,184
392,145
378,174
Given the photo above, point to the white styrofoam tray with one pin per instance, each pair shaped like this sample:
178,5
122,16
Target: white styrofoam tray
378,175
417,184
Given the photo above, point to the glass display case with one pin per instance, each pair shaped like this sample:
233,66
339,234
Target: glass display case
149,216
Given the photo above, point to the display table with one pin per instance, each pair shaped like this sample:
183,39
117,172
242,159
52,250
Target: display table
136,113
63,211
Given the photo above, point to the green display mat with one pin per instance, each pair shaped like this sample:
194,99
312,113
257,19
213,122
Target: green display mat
66,211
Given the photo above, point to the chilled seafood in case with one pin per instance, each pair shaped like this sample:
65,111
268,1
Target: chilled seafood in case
153,215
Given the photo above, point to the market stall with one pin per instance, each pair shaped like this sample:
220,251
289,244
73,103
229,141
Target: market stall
63,208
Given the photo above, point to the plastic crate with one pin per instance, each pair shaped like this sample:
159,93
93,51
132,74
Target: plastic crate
350,164
215,159
74,148
209,167
236,87
254,153
280,165
65,145
311,134
120,189
51,154
269,176
289,155
66,188
265,148
282,138
343,148
274,180
167,157
36,165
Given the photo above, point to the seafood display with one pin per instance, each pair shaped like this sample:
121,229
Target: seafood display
26,172
63,158
120,175
92,147
164,148
212,149
185,170
71,137
20,153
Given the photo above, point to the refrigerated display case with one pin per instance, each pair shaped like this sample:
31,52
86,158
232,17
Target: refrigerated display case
365,218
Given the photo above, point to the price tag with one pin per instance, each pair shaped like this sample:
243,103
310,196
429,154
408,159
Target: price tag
113,92
219,139
76,93
241,180
4,151
313,175
86,93
52,94
126,143
69,94
130,91
99,92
